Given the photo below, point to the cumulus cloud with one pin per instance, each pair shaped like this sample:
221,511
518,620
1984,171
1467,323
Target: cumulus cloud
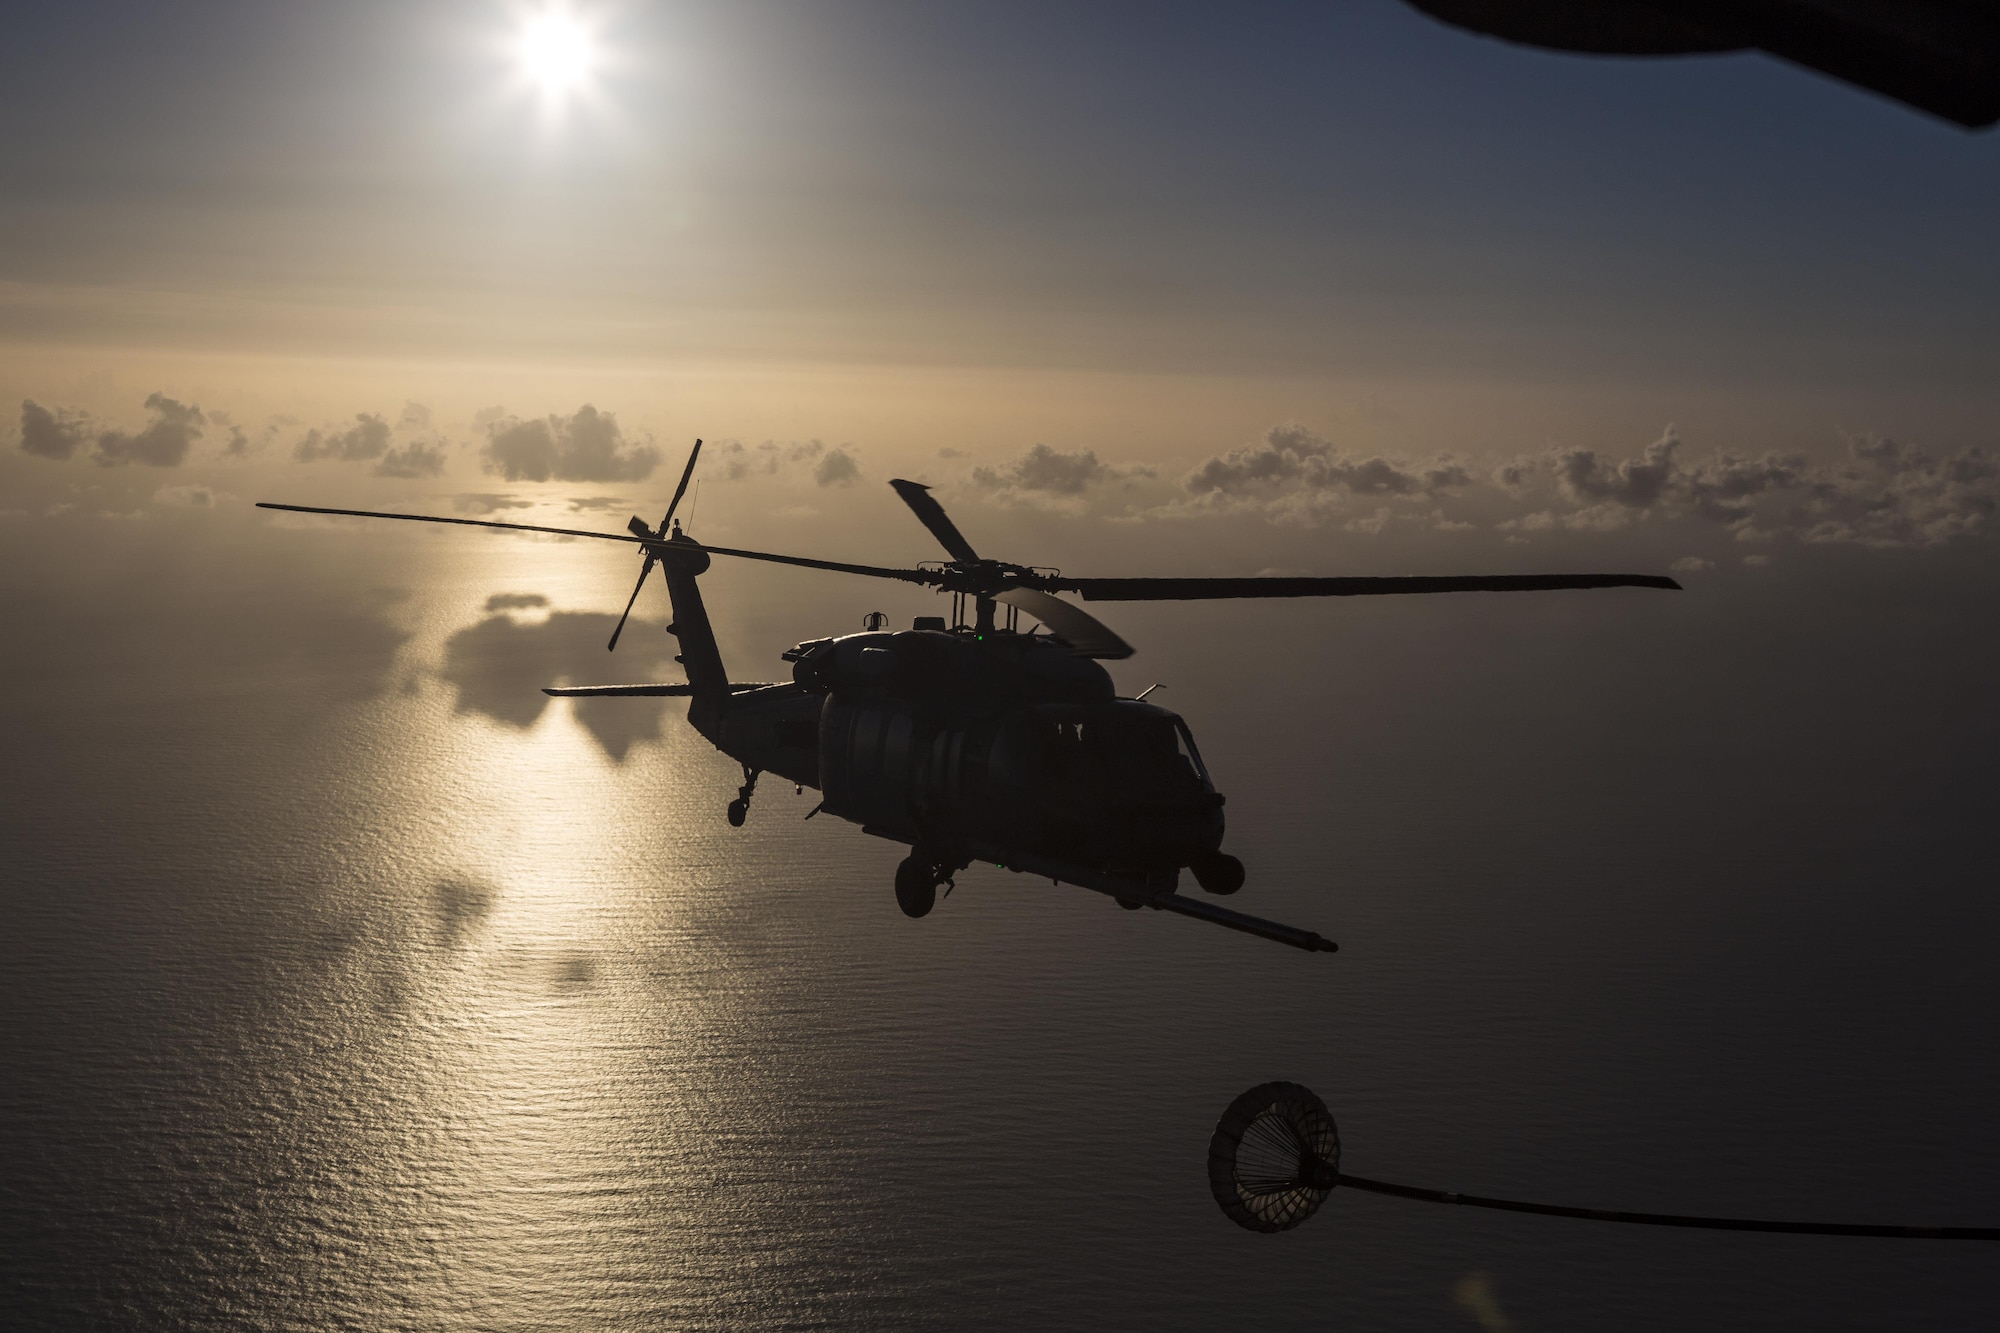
829,467
586,446
1044,470
1293,459
837,468
163,443
415,459
1883,493
1891,494
367,438
515,601
51,434
1295,476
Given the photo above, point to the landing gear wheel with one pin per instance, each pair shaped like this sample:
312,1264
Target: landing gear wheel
739,809
1274,1158
916,886
1217,872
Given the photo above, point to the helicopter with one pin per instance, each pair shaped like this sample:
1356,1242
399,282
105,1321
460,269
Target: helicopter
967,739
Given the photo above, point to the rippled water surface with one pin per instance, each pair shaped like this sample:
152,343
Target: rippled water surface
342,992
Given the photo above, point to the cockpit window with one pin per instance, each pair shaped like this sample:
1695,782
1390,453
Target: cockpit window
1189,753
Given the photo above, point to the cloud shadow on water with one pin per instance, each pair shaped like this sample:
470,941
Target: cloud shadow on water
500,664
458,906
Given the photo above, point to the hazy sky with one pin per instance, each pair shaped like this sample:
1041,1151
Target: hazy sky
1139,238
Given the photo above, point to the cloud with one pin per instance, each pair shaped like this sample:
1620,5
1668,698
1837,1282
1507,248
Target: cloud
771,458
515,601
47,434
416,459
163,443
485,502
596,503
584,447
1046,471
1879,492
188,497
1721,489
1882,494
837,468
1291,459
1891,494
367,438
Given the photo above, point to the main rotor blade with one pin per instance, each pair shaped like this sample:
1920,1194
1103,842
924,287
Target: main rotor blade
928,577
1190,590
681,489
1076,627
619,629
463,522
931,514
675,691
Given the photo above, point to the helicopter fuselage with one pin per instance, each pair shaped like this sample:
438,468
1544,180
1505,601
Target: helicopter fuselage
980,746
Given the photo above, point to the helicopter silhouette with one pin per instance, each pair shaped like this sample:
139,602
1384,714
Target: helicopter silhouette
968,739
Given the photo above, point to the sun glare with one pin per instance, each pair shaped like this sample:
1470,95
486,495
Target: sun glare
556,52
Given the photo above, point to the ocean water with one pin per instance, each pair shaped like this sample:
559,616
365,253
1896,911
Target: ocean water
349,983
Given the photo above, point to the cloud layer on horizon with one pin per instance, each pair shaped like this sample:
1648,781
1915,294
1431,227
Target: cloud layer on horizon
1877,492
1880,493
1883,493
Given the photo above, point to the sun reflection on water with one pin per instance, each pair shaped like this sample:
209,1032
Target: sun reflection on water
535,1083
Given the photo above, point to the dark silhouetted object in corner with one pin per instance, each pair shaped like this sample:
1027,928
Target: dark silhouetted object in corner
1940,56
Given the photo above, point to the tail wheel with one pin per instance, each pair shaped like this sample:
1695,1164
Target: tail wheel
738,812
916,886
1274,1158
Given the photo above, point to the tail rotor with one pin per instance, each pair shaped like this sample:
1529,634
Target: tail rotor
637,527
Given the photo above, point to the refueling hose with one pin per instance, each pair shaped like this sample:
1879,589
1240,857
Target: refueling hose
1671,1219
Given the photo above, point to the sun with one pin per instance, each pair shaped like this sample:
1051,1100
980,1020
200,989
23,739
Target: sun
556,52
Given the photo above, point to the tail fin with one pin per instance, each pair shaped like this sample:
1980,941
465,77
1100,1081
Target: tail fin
682,561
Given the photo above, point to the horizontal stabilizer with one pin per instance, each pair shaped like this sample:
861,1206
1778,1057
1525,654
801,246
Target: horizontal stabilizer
637,691
1160,900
